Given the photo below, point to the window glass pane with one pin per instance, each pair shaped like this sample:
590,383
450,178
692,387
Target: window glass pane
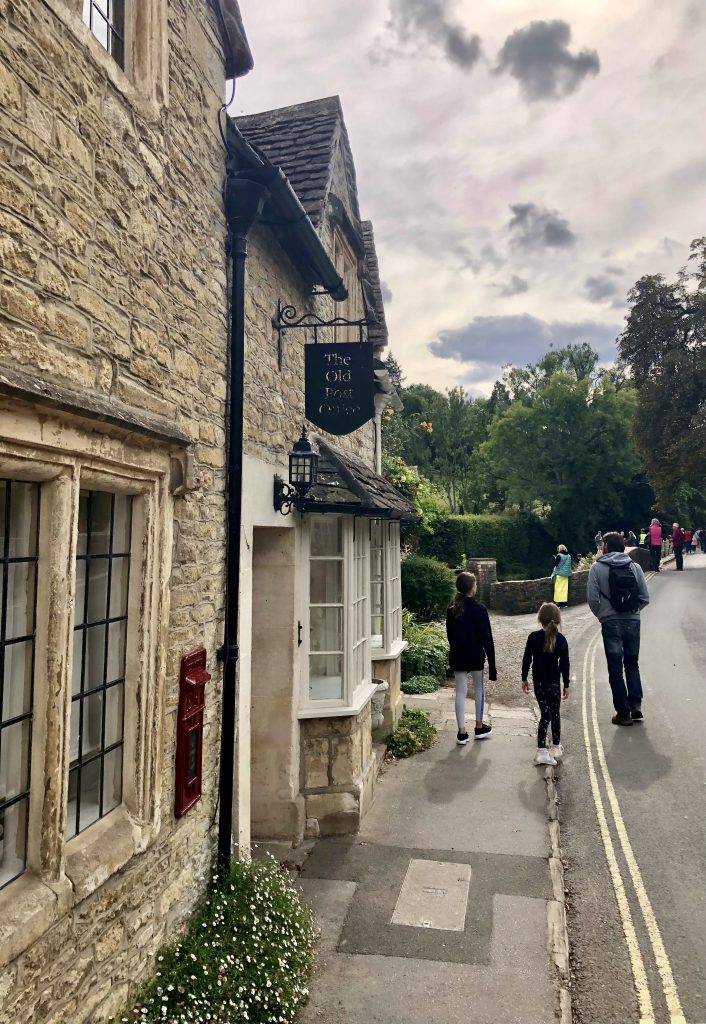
80,594
113,714
17,685
77,661
326,629
326,582
326,677
82,547
14,760
90,735
72,804
24,519
119,587
90,793
113,779
116,651
20,599
122,524
94,658
100,505
326,535
97,590
13,840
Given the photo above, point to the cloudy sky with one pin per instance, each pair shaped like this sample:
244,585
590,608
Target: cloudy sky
523,161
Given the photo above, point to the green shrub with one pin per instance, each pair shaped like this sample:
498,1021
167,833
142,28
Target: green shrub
421,684
430,504
246,954
427,651
415,732
427,587
514,540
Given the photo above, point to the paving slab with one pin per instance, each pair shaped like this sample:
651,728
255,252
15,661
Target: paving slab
434,894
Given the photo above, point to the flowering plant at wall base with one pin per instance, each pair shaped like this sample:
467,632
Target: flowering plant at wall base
415,732
246,954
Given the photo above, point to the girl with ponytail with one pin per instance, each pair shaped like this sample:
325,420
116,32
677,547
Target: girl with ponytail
470,643
547,652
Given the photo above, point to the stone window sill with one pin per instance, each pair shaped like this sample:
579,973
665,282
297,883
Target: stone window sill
345,711
397,647
93,856
28,909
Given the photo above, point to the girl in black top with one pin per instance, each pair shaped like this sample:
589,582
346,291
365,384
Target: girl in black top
470,642
547,651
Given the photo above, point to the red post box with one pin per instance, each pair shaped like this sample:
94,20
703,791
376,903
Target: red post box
192,684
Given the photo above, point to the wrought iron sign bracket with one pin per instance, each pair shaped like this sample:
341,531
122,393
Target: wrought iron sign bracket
286,497
287,318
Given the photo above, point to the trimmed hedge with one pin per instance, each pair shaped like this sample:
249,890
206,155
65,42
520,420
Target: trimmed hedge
427,587
516,541
421,684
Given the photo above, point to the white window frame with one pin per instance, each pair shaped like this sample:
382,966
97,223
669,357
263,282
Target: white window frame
60,872
356,693
393,644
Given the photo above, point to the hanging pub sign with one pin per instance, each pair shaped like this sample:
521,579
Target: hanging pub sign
339,385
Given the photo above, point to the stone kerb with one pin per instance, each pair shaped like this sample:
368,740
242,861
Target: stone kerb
519,597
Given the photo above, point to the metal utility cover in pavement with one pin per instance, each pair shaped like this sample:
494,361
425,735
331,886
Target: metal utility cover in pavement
434,894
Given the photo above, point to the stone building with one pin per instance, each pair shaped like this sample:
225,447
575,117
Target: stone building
114,335
321,626
113,348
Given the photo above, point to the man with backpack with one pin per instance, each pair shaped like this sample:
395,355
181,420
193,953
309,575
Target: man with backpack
617,593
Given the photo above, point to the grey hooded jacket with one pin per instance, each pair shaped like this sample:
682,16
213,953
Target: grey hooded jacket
598,589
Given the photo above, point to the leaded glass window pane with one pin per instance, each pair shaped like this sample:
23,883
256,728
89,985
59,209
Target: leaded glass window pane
100,638
19,555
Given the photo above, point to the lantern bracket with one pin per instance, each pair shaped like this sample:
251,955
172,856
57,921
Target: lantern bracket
287,318
286,497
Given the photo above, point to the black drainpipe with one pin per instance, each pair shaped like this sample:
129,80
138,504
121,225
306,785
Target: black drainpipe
244,202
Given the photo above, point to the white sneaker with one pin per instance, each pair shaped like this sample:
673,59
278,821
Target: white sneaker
544,757
557,752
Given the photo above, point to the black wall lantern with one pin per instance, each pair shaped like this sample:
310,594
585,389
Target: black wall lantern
303,474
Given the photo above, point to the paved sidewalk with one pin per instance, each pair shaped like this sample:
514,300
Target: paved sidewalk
438,910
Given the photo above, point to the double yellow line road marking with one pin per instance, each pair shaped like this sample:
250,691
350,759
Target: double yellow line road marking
597,764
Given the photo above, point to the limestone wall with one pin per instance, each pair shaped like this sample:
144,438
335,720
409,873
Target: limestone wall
518,597
113,282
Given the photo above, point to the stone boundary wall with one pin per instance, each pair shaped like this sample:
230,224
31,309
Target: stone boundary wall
518,597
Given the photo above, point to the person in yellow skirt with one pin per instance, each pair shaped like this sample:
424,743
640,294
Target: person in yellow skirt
560,573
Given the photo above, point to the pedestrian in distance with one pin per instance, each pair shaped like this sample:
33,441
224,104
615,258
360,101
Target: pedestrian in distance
547,652
631,539
598,541
643,537
678,546
688,535
617,593
702,531
470,642
561,573
655,538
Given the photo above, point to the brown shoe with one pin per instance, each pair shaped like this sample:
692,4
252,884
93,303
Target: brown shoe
619,720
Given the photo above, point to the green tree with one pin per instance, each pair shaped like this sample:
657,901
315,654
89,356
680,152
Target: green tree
664,347
577,361
568,453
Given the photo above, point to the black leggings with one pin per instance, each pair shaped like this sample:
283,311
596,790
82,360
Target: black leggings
549,699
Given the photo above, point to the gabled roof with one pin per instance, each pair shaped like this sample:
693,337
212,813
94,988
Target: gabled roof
372,290
302,140
347,485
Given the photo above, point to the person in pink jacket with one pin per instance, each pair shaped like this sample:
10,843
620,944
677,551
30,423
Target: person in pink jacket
655,537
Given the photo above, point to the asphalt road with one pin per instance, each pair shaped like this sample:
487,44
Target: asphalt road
634,818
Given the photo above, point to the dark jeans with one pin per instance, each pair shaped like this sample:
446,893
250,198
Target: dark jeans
621,641
655,554
679,556
548,696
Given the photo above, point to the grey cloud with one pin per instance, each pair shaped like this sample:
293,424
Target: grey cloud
486,256
385,291
536,227
411,20
493,341
538,56
600,288
515,286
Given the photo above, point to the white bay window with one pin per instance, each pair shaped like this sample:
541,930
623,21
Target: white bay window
385,588
336,666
